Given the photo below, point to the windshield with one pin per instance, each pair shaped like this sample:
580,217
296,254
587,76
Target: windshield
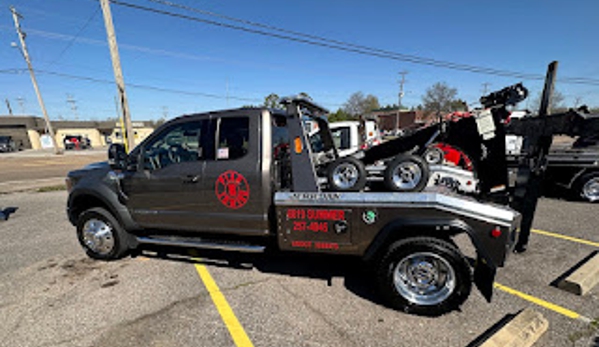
341,137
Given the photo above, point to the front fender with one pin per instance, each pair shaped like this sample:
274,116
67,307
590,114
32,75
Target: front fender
99,195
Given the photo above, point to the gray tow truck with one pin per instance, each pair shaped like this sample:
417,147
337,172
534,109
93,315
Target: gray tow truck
244,180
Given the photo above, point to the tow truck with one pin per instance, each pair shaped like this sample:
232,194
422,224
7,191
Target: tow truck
245,180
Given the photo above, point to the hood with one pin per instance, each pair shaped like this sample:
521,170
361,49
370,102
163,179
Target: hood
99,166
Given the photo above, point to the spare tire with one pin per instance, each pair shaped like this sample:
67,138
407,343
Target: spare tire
433,155
406,173
346,174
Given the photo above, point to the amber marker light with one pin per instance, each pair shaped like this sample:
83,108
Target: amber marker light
298,145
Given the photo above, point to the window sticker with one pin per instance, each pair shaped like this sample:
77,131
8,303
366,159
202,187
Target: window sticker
223,153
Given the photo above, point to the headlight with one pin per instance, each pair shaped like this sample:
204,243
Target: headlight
69,183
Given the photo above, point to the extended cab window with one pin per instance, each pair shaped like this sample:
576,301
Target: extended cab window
176,144
233,138
280,153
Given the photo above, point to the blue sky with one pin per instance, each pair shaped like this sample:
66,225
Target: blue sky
220,68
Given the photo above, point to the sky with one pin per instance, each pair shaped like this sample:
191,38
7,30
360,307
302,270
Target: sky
174,66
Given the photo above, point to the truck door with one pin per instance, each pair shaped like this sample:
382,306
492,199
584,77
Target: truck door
234,200
166,191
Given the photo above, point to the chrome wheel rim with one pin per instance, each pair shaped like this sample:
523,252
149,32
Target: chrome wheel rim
98,236
424,278
407,175
433,156
345,176
590,190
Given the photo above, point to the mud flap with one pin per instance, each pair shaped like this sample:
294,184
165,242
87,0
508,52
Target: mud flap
484,275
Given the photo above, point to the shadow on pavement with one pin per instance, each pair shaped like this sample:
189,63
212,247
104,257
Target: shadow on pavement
6,212
358,277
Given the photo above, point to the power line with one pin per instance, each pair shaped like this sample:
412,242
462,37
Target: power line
53,35
13,71
341,45
74,38
147,87
157,89
175,54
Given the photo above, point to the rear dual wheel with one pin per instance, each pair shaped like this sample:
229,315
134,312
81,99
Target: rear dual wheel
424,276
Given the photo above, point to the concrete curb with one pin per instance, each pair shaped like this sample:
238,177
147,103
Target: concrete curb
23,186
522,331
583,279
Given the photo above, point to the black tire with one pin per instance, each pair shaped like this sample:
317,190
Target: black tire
110,241
406,173
418,258
346,174
587,187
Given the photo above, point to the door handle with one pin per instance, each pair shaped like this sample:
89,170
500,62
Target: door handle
191,179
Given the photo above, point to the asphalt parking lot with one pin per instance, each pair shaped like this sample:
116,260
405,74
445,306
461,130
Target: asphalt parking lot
51,294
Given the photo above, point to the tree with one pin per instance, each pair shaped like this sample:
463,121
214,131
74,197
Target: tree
358,104
459,105
389,107
272,101
440,98
555,105
338,116
158,122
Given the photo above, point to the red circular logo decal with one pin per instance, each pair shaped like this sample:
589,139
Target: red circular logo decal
232,189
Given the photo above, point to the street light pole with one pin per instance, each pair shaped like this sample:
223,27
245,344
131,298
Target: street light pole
400,96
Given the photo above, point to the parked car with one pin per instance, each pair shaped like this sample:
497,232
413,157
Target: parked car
76,142
7,144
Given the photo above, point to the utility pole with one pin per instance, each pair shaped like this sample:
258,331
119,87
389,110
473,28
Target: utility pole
23,47
227,89
485,87
73,103
9,108
118,73
21,102
400,96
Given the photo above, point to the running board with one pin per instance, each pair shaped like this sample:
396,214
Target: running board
223,246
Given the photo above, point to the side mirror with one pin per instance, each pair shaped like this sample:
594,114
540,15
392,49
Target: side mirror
117,156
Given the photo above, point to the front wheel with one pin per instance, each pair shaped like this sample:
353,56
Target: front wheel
588,187
101,235
424,276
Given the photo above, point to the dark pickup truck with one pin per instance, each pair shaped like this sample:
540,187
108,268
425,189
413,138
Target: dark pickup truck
576,169
243,180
